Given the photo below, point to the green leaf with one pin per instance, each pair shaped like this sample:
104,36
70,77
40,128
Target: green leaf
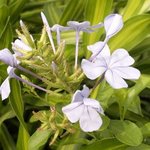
105,124
6,139
145,7
103,93
133,8
6,35
135,106
140,147
38,139
73,141
16,101
3,2
141,48
5,28
107,144
7,115
16,7
72,11
95,12
138,26
4,13
23,137
52,12
134,91
126,132
146,129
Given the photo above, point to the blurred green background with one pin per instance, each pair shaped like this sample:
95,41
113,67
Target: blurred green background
134,37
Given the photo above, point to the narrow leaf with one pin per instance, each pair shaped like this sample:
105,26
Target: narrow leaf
23,137
16,8
6,139
72,11
38,139
138,26
16,101
133,7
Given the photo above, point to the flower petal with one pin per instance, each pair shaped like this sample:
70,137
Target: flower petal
78,26
115,80
113,24
105,52
93,70
99,25
86,91
18,44
5,89
7,57
99,49
128,72
91,102
10,72
88,30
121,57
96,47
90,120
48,30
61,28
73,111
77,97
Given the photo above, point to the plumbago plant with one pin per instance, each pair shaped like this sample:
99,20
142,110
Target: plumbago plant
89,101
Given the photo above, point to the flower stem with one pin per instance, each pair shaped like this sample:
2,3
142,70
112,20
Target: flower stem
94,91
76,50
98,82
29,72
58,36
29,83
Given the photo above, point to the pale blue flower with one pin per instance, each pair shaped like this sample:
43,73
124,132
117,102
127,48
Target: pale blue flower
115,67
58,28
112,25
10,59
83,26
85,110
5,86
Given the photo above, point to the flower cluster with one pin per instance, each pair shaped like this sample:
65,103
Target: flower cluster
114,68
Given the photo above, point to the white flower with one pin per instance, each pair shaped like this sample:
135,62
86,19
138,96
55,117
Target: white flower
5,86
84,110
115,67
112,24
83,26
8,58
48,30
20,47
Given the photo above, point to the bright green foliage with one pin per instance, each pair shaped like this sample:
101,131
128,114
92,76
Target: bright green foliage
140,22
33,120
126,132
